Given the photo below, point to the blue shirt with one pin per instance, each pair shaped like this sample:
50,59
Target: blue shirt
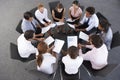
26,25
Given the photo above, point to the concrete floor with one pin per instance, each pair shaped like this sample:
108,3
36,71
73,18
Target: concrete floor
11,12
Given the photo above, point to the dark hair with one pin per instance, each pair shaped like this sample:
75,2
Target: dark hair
96,41
42,48
91,10
76,2
105,25
59,5
73,52
28,34
27,15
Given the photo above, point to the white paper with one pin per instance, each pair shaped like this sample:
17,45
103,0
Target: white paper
59,23
70,25
45,29
52,25
83,36
49,40
58,45
72,41
70,20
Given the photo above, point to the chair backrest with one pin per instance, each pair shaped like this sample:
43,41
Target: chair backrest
14,52
115,40
18,28
53,5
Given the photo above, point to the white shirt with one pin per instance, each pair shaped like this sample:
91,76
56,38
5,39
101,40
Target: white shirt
47,63
97,56
25,48
72,65
40,16
93,22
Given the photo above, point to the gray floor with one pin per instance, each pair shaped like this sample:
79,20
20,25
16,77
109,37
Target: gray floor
11,12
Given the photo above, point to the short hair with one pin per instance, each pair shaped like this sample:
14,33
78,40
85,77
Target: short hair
105,25
73,52
27,15
96,41
28,34
40,5
91,10
59,5
75,2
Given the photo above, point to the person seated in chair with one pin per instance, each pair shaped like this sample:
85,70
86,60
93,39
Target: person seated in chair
75,13
72,61
25,47
106,33
29,23
89,23
42,15
58,16
98,55
58,13
46,59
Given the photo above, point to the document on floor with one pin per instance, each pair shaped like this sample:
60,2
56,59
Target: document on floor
83,36
72,41
49,40
58,45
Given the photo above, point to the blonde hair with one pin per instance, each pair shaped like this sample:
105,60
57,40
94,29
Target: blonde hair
40,5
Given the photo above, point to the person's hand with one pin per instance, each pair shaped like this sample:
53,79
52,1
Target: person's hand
49,23
40,39
45,24
80,46
61,20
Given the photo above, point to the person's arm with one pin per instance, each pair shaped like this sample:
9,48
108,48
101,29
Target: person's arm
70,13
63,16
46,15
39,17
90,26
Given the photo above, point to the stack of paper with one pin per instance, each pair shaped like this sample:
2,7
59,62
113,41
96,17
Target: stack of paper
60,23
49,40
72,41
58,45
83,36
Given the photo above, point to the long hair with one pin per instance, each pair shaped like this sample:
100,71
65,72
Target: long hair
42,48
73,52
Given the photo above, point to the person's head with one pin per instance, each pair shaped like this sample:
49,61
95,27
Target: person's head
41,8
96,41
104,26
28,16
73,52
90,11
29,34
42,47
59,7
75,4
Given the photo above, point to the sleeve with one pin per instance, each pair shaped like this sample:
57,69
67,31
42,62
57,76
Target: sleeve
46,15
89,46
91,25
38,16
87,56
83,20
